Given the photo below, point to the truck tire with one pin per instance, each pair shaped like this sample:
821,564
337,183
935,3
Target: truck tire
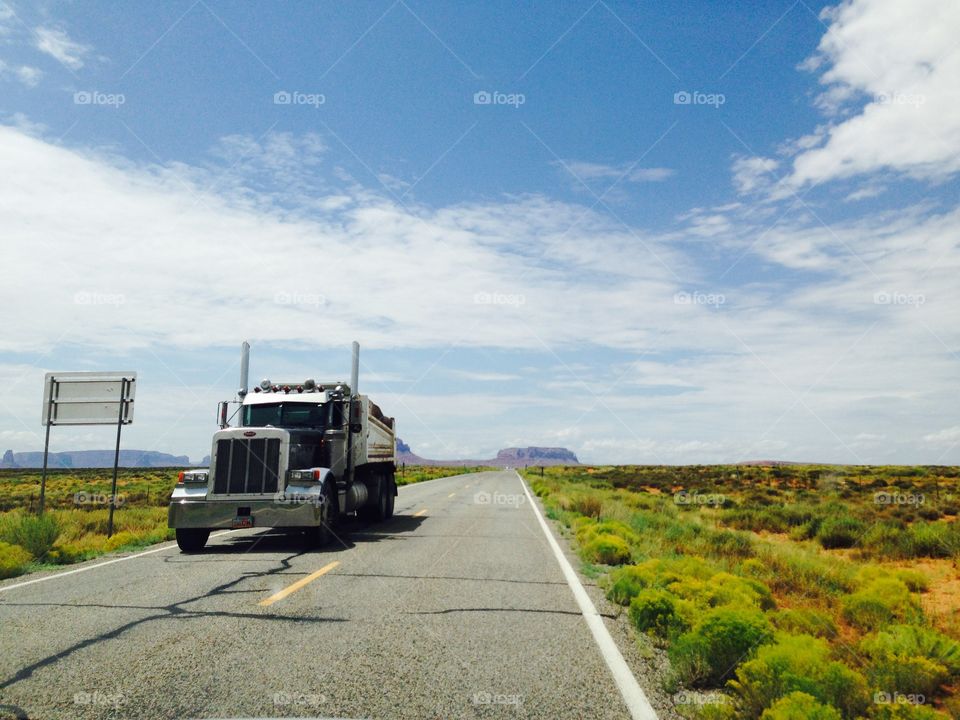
322,534
391,495
379,504
191,540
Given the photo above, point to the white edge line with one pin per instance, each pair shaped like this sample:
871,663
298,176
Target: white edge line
166,546
633,695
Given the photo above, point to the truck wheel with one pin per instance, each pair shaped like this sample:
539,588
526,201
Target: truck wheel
191,540
378,505
322,534
391,496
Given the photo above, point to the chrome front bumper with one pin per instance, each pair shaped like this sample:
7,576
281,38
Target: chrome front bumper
187,510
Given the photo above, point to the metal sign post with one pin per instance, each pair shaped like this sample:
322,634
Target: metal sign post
87,398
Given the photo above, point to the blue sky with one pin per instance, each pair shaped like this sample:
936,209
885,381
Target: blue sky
588,260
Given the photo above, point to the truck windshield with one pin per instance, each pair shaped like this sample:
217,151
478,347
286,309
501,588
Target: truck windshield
285,415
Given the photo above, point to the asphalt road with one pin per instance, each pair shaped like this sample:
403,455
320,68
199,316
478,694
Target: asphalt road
455,608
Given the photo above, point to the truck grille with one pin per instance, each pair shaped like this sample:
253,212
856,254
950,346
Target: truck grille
247,466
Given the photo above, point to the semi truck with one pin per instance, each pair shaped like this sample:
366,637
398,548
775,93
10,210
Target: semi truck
298,456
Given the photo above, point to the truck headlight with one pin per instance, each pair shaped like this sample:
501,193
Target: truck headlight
303,475
194,476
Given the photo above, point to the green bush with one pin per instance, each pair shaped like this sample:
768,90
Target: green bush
903,711
933,539
915,580
804,621
911,660
800,706
626,583
656,612
883,601
707,655
839,532
587,530
726,543
34,534
798,663
13,560
588,505
911,675
754,568
607,549
885,539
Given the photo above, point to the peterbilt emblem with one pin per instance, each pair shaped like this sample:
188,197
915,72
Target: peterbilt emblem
249,433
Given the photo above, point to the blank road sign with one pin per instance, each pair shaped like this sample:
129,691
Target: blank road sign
88,398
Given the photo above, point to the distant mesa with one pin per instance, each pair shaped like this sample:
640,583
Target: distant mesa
508,457
92,459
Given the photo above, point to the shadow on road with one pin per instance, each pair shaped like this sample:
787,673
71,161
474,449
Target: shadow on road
346,531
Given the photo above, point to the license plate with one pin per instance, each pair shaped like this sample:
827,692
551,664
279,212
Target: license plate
245,521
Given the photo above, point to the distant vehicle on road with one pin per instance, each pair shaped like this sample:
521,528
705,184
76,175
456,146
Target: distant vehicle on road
303,454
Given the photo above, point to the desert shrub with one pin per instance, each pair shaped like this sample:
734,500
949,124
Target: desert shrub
718,710
928,513
794,570
769,519
839,532
907,675
915,580
13,560
805,531
607,549
804,621
587,530
656,612
627,582
588,505
904,711
34,534
936,539
726,543
800,706
798,663
884,539
882,601
902,642
725,589
754,568
706,655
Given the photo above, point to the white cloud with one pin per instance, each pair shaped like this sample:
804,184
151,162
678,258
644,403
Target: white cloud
484,376
58,45
6,14
29,76
948,436
115,255
587,171
175,261
904,60
751,174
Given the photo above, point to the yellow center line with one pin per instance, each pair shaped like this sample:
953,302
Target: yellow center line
289,590
418,513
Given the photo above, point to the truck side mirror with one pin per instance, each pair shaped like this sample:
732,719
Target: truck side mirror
222,413
356,427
